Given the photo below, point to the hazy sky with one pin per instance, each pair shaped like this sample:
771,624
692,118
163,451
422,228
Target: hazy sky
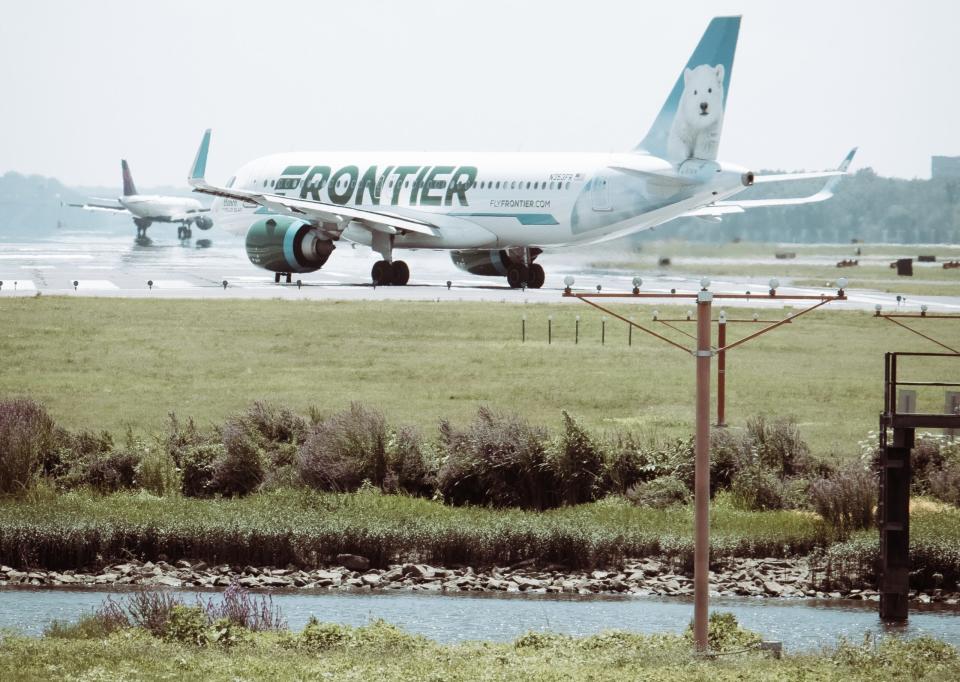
86,83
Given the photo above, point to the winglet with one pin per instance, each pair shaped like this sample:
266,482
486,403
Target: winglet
845,164
199,168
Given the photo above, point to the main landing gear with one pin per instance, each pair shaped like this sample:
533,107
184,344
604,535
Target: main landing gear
396,273
277,275
532,277
184,232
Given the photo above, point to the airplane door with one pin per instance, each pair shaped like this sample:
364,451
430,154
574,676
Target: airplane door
601,194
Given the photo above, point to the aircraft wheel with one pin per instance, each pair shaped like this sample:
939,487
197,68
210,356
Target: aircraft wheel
516,276
187,233
382,273
288,278
401,273
179,233
536,277
276,278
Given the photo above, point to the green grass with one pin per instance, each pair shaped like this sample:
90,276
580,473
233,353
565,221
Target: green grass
115,363
382,652
306,528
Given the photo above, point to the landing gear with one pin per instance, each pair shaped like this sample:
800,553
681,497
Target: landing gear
184,232
532,277
384,273
278,275
142,225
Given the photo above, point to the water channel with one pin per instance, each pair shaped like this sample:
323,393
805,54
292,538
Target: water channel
802,625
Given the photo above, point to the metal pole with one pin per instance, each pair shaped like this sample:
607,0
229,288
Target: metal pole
630,332
701,523
721,371
603,331
523,329
576,333
550,330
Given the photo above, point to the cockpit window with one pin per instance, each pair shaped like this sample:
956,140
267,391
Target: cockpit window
231,181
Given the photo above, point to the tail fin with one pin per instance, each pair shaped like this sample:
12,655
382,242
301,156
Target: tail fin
691,120
128,187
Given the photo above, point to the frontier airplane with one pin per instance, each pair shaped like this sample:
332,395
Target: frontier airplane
147,209
496,212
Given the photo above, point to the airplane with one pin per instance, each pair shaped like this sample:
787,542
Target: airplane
496,212
148,209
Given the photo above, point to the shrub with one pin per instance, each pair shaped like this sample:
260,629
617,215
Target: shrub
197,468
624,464
499,460
755,488
157,473
412,469
725,634
26,442
659,493
275,424
147,609
250,612
728,450
945,484
107,473
931,454
186,625
577,463
343,450
318,636
226,633
847,499
779,445
240,470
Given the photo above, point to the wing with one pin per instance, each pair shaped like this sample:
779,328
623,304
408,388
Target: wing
721,208
318,211
104,205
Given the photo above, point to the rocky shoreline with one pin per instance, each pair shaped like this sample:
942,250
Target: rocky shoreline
776,578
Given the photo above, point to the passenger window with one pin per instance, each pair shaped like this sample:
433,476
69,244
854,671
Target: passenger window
513,185
568,185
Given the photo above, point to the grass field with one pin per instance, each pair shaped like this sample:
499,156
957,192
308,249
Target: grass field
815,265
382,652
117,363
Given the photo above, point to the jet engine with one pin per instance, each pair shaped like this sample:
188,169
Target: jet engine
203,222
284,244
490,263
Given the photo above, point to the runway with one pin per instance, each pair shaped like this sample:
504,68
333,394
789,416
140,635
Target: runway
116,266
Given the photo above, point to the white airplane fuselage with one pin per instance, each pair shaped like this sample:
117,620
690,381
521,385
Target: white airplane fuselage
158,208
488,200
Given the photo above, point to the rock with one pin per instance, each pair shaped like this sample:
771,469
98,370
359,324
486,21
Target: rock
526,563
418,571
394,573
183,563
276,581
525,583
773,587
371,579
168,581
599,575
354,562
248,581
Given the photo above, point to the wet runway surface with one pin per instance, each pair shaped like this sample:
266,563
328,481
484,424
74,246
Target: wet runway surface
115,265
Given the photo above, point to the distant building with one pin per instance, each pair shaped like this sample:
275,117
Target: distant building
944,167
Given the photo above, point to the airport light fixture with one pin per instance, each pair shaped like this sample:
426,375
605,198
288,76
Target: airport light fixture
637,283
774,283
703,353
567,283
895,318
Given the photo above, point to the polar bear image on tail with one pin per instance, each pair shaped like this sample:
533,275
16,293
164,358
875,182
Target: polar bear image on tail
695,132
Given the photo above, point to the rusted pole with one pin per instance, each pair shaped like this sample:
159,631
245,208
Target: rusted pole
722,370
701,521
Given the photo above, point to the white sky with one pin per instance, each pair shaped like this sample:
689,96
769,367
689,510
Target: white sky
86,83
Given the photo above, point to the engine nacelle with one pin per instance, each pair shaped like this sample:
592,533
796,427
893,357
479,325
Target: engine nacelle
482,262
284,244
203,222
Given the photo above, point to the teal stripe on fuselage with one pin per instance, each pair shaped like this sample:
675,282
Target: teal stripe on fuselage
523,218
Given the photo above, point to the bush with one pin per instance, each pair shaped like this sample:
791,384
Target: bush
659,493
343,450
725,634
778,445
187,625
499,460
847,499
728,451
276,425
931,455
27,442
945,484
411,469
240,470
241,608
577,463
197,468
157,473
756,488
624,464
106,473
318,636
